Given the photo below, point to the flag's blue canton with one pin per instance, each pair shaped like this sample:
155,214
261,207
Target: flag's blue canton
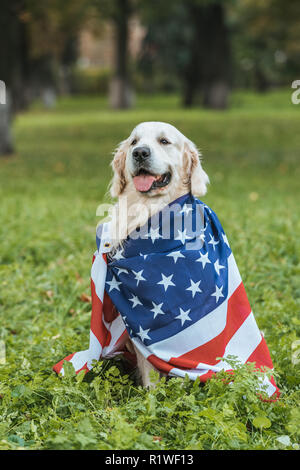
161,286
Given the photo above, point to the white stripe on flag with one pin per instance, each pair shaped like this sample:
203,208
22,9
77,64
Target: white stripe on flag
234,277
192,373
116,328
243,342
78,360
263,385
267,387
95,350
98,275
210,326
145,351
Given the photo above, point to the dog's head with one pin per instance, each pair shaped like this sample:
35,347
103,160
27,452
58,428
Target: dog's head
157,159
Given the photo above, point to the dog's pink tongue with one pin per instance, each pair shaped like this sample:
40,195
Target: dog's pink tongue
143,182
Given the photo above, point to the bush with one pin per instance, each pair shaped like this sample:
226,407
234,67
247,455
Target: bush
90,81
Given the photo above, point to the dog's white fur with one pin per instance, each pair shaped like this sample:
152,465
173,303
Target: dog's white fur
180,157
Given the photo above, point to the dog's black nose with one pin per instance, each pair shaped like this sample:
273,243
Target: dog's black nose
141,153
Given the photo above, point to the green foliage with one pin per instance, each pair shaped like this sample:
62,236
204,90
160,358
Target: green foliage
90,81
265,40
49,194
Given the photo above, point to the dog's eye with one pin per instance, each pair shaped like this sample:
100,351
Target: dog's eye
134,142
164,141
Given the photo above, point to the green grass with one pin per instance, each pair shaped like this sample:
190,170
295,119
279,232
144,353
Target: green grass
49,193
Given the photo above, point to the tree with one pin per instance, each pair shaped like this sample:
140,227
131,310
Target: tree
266,42
119,13
13,67
54,27
35,38
191,40
209,67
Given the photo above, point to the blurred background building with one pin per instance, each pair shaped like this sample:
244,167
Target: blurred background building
99,51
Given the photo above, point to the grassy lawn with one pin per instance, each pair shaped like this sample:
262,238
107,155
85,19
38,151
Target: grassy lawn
49,194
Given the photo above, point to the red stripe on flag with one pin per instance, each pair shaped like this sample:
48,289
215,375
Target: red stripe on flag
58,367
277,392
161,365
109,310
97,325
238,310
84,367
261,356
205,377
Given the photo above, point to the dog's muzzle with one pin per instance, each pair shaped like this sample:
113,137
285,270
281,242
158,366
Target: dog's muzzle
144,179
141,155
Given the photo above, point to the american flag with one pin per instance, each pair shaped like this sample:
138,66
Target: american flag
174,288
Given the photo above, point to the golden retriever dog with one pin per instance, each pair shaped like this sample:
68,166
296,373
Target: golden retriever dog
154,166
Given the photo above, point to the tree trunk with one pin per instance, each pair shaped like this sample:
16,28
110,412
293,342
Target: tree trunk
192,70
209,67
14,69
6,141
215,95
217,63
121,94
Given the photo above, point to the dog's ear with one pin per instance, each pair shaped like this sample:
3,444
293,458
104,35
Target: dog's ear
197,176
118,182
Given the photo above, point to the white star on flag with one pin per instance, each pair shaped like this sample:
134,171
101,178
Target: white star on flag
194,287
186,209
212,241
122,270
208,208
143,334
113,284
138,276
203,259
218,267
154,234
225,239
166,281
157,309
202,236
144,256
175,255
184,316
218,293
118,255
135,301
182,236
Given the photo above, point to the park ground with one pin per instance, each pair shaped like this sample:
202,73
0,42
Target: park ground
50,189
